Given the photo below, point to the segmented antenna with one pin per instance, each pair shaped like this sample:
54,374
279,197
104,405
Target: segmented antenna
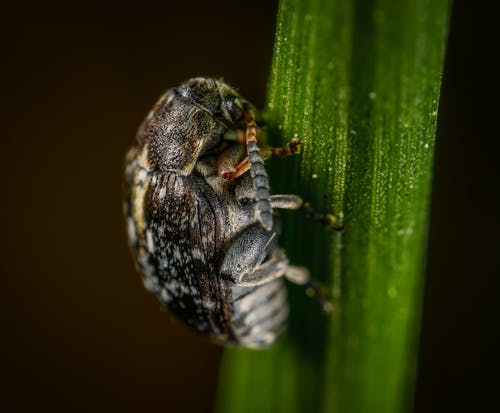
260,180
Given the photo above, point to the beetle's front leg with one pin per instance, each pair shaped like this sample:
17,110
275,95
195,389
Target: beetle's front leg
291,148
229,165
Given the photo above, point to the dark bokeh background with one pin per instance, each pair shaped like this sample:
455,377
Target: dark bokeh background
79,333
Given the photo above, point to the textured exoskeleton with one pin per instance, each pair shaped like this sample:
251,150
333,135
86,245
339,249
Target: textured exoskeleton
200,218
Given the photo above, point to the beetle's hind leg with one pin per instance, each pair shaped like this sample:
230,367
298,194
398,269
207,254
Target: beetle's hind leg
294,202
302,276
275,267
253,257
329,221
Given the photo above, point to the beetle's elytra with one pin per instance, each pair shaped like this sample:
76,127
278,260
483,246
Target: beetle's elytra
200,217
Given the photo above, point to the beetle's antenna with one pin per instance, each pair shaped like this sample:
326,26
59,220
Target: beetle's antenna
260,180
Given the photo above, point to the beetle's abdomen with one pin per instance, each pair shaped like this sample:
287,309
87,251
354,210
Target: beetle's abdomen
258,314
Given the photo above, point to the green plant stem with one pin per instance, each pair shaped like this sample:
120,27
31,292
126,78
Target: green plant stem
359,83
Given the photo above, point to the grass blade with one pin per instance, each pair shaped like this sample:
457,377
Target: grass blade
359,83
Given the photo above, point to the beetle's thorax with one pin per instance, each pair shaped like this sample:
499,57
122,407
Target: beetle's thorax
188,122
178,135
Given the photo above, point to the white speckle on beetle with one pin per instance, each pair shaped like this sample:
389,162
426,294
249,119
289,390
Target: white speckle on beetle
132,235
163,192
208,304
150,283
142,159
176,288
149,241
141,176
165,296
177,253
197,253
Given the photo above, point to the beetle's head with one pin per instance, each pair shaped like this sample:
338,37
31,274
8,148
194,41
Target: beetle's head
183,129
217,98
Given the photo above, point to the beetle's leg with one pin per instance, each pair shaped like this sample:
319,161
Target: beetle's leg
247,257
240,169
260,180
242,135
286,201
254,259
228,169
227,163
289,201
228,166
328,220
302,276
291,148
275,267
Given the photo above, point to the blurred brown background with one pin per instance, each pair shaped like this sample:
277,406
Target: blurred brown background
79,333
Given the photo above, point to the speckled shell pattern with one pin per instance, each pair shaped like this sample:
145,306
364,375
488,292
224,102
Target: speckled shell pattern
181,219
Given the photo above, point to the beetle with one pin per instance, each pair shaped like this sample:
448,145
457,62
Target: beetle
201,221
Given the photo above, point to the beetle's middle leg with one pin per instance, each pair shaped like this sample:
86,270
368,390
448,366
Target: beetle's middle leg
295,202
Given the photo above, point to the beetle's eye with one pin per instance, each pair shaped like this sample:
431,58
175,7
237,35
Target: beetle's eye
234,108
244,201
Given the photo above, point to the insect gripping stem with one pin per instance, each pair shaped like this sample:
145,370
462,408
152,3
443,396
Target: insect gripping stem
260,180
